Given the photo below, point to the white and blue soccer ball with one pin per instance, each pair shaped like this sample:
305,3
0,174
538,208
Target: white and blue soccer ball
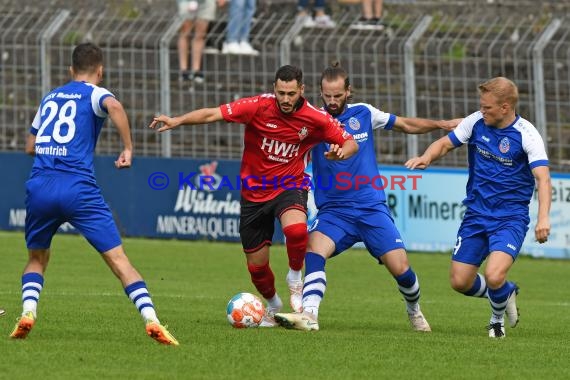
245,310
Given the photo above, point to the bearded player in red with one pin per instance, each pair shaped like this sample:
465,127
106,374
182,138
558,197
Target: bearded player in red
280,130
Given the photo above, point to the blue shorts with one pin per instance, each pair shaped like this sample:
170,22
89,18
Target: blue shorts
480,235
52,200
372,226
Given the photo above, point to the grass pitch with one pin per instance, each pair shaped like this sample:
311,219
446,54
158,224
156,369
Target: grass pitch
88,329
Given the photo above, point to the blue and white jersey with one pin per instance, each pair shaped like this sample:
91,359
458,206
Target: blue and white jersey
500,182
66,126
356,180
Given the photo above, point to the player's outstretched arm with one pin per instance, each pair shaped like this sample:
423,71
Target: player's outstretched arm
437,149
337,152
414,125
119,117
544,187
202,116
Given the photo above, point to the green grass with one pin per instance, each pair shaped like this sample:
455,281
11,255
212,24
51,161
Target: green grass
88,329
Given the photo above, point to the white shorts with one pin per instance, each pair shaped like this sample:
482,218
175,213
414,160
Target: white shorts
206,9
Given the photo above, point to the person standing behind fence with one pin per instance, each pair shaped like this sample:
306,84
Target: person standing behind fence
62,186
371,18
280,130
507,159
321,20
240,16
197,15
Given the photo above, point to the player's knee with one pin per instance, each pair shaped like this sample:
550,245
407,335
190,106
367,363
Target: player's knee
495,279
459,283
296,234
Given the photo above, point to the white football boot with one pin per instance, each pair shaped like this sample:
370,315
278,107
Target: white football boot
304,321
418,321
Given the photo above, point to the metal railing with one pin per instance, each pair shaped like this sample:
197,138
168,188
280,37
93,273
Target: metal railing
427,62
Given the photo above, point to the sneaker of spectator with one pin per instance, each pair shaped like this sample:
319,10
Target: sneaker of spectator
197,77
368,24
247,49
324,21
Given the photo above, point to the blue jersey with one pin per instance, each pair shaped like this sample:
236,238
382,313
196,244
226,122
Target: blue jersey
500,181
66,126
336,182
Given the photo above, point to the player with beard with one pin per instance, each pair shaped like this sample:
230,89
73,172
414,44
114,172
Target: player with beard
280,130
359,213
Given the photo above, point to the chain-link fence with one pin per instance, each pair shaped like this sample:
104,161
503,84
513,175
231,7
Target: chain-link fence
426,62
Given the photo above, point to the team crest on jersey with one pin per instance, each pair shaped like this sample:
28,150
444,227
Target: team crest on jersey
303,132
504,145
353,123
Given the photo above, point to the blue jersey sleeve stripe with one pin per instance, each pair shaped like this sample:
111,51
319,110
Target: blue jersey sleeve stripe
538,163
101,102
454,140
33,131
391,121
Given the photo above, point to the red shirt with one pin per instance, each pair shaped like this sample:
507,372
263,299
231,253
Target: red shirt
277,145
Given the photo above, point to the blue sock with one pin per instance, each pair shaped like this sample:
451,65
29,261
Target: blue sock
315,283
140,296
479,288
409,287
498,300
32,284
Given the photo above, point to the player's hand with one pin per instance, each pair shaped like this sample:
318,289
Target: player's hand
542,230
125,159
449,125
335,153
417,163
163,123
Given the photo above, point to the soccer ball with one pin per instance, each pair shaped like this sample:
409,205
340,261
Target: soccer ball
245,310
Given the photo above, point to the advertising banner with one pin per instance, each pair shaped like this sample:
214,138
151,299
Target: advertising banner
200,199
427,209
174,198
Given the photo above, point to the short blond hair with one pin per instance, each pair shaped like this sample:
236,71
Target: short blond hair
504,89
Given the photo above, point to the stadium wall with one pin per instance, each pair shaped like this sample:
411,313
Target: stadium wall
173,198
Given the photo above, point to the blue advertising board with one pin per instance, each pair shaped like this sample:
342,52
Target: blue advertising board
200,199
171,198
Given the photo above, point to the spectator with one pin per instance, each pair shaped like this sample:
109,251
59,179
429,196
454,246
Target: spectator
371,18
197,15
239,25
321,20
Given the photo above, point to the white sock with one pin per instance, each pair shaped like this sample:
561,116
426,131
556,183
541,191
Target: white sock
311,304
275,303
294,275
412,308
149,314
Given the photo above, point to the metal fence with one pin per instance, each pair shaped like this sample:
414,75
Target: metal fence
427,62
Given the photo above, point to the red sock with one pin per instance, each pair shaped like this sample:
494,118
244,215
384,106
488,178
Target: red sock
296,238
263,279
